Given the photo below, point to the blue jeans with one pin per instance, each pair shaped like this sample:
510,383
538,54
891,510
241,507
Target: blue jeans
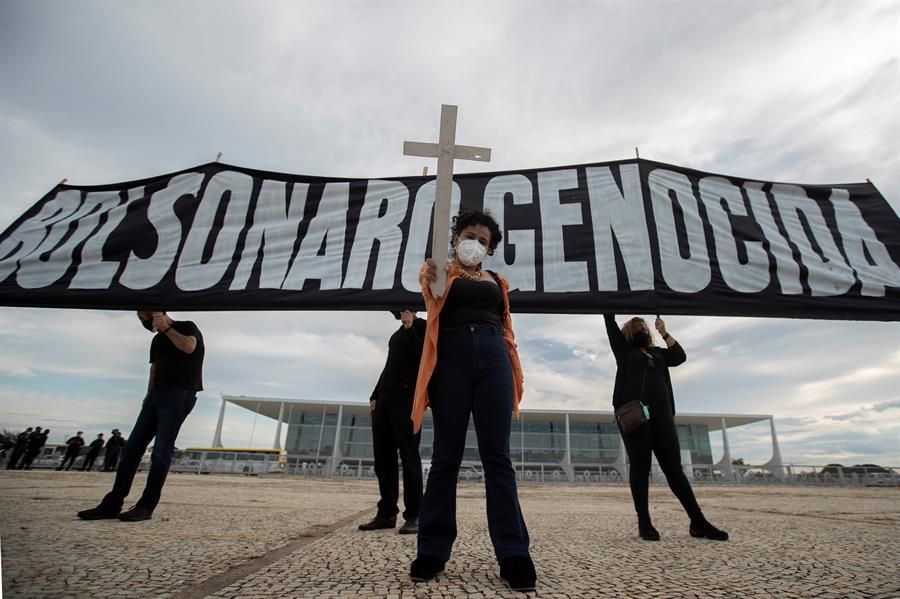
161,416
472,376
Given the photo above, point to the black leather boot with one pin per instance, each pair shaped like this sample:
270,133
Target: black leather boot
377,523
518,572
424,568
704,530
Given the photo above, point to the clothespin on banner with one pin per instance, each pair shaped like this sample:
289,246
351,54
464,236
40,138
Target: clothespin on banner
637,154
218,155
63,182
424,171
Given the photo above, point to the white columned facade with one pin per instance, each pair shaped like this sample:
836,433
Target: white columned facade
277,444
217,436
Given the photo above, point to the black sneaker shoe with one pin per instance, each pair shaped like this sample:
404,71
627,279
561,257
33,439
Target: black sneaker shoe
136,514
410,527
377,523
647,532
518,572
101,512
705,530
424,568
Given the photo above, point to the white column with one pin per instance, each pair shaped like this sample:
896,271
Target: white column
567,462
277,444
775,465
217,436
725,464
622,461
336,450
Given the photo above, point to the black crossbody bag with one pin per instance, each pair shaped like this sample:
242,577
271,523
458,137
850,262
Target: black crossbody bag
633,414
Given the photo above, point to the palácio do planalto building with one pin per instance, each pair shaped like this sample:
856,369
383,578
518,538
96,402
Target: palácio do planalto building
335,438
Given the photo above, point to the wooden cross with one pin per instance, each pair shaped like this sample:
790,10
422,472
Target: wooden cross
446,151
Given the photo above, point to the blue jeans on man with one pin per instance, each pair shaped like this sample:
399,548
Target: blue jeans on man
161,416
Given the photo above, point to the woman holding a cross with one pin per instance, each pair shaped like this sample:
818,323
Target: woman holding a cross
470,366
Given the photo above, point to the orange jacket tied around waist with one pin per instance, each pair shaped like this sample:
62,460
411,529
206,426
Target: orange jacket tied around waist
429,350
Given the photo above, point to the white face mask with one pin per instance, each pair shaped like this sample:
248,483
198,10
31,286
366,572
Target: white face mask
470,252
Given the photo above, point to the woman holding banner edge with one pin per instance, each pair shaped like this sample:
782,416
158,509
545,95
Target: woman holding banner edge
642,374
470,365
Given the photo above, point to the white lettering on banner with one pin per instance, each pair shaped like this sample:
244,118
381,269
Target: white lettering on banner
328,227
419,232
192,274
144,273
559,276
620,213
858,238
275,223
386,229
94,272
685,275
34,271
31,234
521,271
827,274
753,276
787,269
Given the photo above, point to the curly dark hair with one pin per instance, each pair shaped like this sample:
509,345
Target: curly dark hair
468,218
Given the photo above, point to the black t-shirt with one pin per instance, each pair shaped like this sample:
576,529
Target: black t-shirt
471,302
176,370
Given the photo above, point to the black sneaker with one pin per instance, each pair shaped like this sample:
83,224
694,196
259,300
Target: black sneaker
136,514
424,568
705,530
101,512
410,527
518,572
377,523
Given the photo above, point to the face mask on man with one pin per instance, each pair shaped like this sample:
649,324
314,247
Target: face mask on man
470,252
148,324
640,339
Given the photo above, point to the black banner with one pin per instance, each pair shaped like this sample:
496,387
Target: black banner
631,236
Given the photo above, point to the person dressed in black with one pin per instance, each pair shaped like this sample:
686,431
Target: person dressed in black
643,374
95,447
73,448
36,442
19,448
176,374
111,454
392,430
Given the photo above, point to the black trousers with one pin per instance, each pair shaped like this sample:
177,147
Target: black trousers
660,437
30,455
14,457
69,459
110,459
89,461
392,434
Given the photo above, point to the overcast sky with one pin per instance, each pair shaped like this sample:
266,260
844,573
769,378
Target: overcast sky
105,92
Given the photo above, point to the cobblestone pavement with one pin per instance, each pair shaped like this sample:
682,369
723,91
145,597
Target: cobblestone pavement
220,536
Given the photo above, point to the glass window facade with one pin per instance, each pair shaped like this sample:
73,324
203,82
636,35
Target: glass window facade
536,439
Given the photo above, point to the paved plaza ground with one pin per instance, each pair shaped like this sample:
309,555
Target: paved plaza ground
234,536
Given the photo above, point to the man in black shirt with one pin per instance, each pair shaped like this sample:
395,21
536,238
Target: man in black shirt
95,447
113,446
19,449
176,374
36,442
74,445
392,429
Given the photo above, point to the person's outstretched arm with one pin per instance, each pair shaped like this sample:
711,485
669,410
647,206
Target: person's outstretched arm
617,342
673,353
